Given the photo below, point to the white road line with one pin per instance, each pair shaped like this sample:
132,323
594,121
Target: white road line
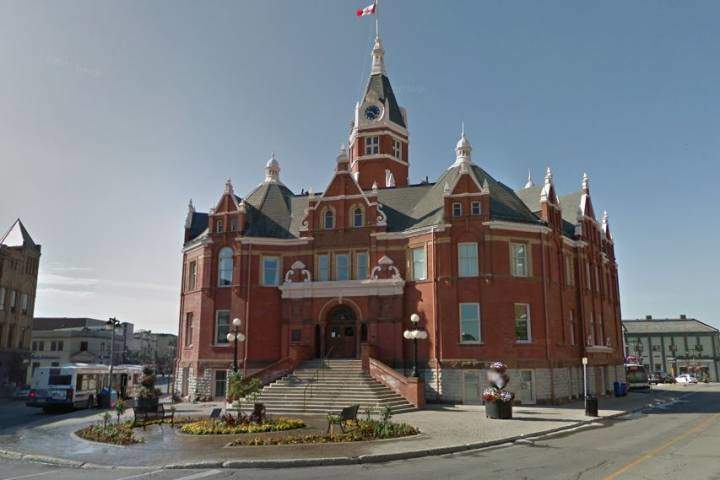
195,476
139,475
30,475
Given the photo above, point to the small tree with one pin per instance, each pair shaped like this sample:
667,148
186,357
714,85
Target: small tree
119,409
148,393
106,419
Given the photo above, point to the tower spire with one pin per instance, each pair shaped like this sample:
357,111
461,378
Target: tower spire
378,54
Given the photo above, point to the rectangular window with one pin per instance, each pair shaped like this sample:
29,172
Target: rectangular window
475,208
34,346
419,267
571,319
470,323
457,209
83,346
192,276
569,271
41,346
295,335
24,303
12,301
397,149
467,260
519,258
361,265
219,226
53,346
220,382
323,268
342,266
188,328
591,334
222,326
271,271
522,322
60,346
2,298
372,145
233,225
587,276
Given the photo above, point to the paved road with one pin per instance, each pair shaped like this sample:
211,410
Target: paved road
680,441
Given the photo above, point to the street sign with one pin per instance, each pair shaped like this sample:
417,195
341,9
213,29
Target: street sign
584,360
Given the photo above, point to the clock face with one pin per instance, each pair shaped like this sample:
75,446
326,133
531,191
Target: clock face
373,112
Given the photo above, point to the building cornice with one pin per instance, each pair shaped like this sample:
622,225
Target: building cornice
516,227
341,289
410,233
274,241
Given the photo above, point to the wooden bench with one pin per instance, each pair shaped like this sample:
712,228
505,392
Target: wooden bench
347,417
144,416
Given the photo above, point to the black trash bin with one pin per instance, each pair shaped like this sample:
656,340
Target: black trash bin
591,406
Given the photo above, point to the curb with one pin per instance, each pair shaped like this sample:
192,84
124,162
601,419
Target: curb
315,462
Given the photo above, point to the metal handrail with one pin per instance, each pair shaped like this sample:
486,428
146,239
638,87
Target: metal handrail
316,376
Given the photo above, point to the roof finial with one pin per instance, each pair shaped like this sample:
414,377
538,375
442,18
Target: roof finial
586,183
272,170
378,63
462,148
191,207
530,182
228,186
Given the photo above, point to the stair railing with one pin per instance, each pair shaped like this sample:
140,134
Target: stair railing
315,377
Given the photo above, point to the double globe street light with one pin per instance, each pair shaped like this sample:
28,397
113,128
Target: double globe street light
235,336
415,334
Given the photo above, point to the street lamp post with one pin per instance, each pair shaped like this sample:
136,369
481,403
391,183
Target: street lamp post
235,336
415,334
673,349
111,324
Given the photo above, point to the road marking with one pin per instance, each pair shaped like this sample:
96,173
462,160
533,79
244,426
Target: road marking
697,428
199,475
139,475
30,475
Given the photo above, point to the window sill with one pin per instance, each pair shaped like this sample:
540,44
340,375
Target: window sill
471,344
523,342
220,345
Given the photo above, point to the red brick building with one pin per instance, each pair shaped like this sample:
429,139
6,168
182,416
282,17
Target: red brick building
527,277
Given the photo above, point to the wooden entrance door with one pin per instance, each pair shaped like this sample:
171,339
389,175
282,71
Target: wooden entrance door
341,333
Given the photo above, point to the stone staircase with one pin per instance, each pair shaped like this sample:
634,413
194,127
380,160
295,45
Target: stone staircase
320,387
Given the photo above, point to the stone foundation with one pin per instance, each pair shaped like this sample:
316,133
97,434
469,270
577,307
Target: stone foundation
540,385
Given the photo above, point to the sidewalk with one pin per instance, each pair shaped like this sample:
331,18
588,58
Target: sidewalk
445,429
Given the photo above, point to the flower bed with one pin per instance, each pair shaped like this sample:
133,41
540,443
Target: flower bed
221,426
364,431
115,433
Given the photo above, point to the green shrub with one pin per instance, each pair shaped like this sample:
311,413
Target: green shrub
117,434
212,426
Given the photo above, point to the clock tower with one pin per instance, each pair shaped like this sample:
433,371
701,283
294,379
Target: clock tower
379,137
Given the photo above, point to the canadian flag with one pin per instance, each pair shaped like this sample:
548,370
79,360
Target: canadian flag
369,10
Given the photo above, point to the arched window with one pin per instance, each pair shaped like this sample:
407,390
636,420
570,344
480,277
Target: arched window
357,217
328,220
225,267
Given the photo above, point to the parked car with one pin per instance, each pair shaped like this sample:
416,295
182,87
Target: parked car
655,378
661,377
686,378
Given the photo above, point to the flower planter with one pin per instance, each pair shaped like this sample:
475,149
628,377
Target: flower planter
498,409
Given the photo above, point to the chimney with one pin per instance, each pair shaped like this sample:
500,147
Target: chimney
683,316
648,317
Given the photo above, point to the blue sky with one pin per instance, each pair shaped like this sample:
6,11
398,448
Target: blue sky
114,114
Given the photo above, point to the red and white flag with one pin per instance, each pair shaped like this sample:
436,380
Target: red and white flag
369,10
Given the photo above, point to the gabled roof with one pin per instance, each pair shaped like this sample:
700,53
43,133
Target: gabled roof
380,85
17,236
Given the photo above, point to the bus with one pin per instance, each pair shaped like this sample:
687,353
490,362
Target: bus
637,376
79,385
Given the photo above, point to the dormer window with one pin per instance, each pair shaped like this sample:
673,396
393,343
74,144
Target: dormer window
219,226
397,149
475,209
372,145
457,209
328,220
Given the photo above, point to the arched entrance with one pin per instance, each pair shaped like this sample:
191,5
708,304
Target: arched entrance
341,333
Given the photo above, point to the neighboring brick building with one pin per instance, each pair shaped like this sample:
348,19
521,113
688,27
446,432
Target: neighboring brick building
524,276
675,345
19,261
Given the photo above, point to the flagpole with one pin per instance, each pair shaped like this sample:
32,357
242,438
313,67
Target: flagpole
377,19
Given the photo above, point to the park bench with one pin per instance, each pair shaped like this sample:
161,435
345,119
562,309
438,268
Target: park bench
143,416
347,417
